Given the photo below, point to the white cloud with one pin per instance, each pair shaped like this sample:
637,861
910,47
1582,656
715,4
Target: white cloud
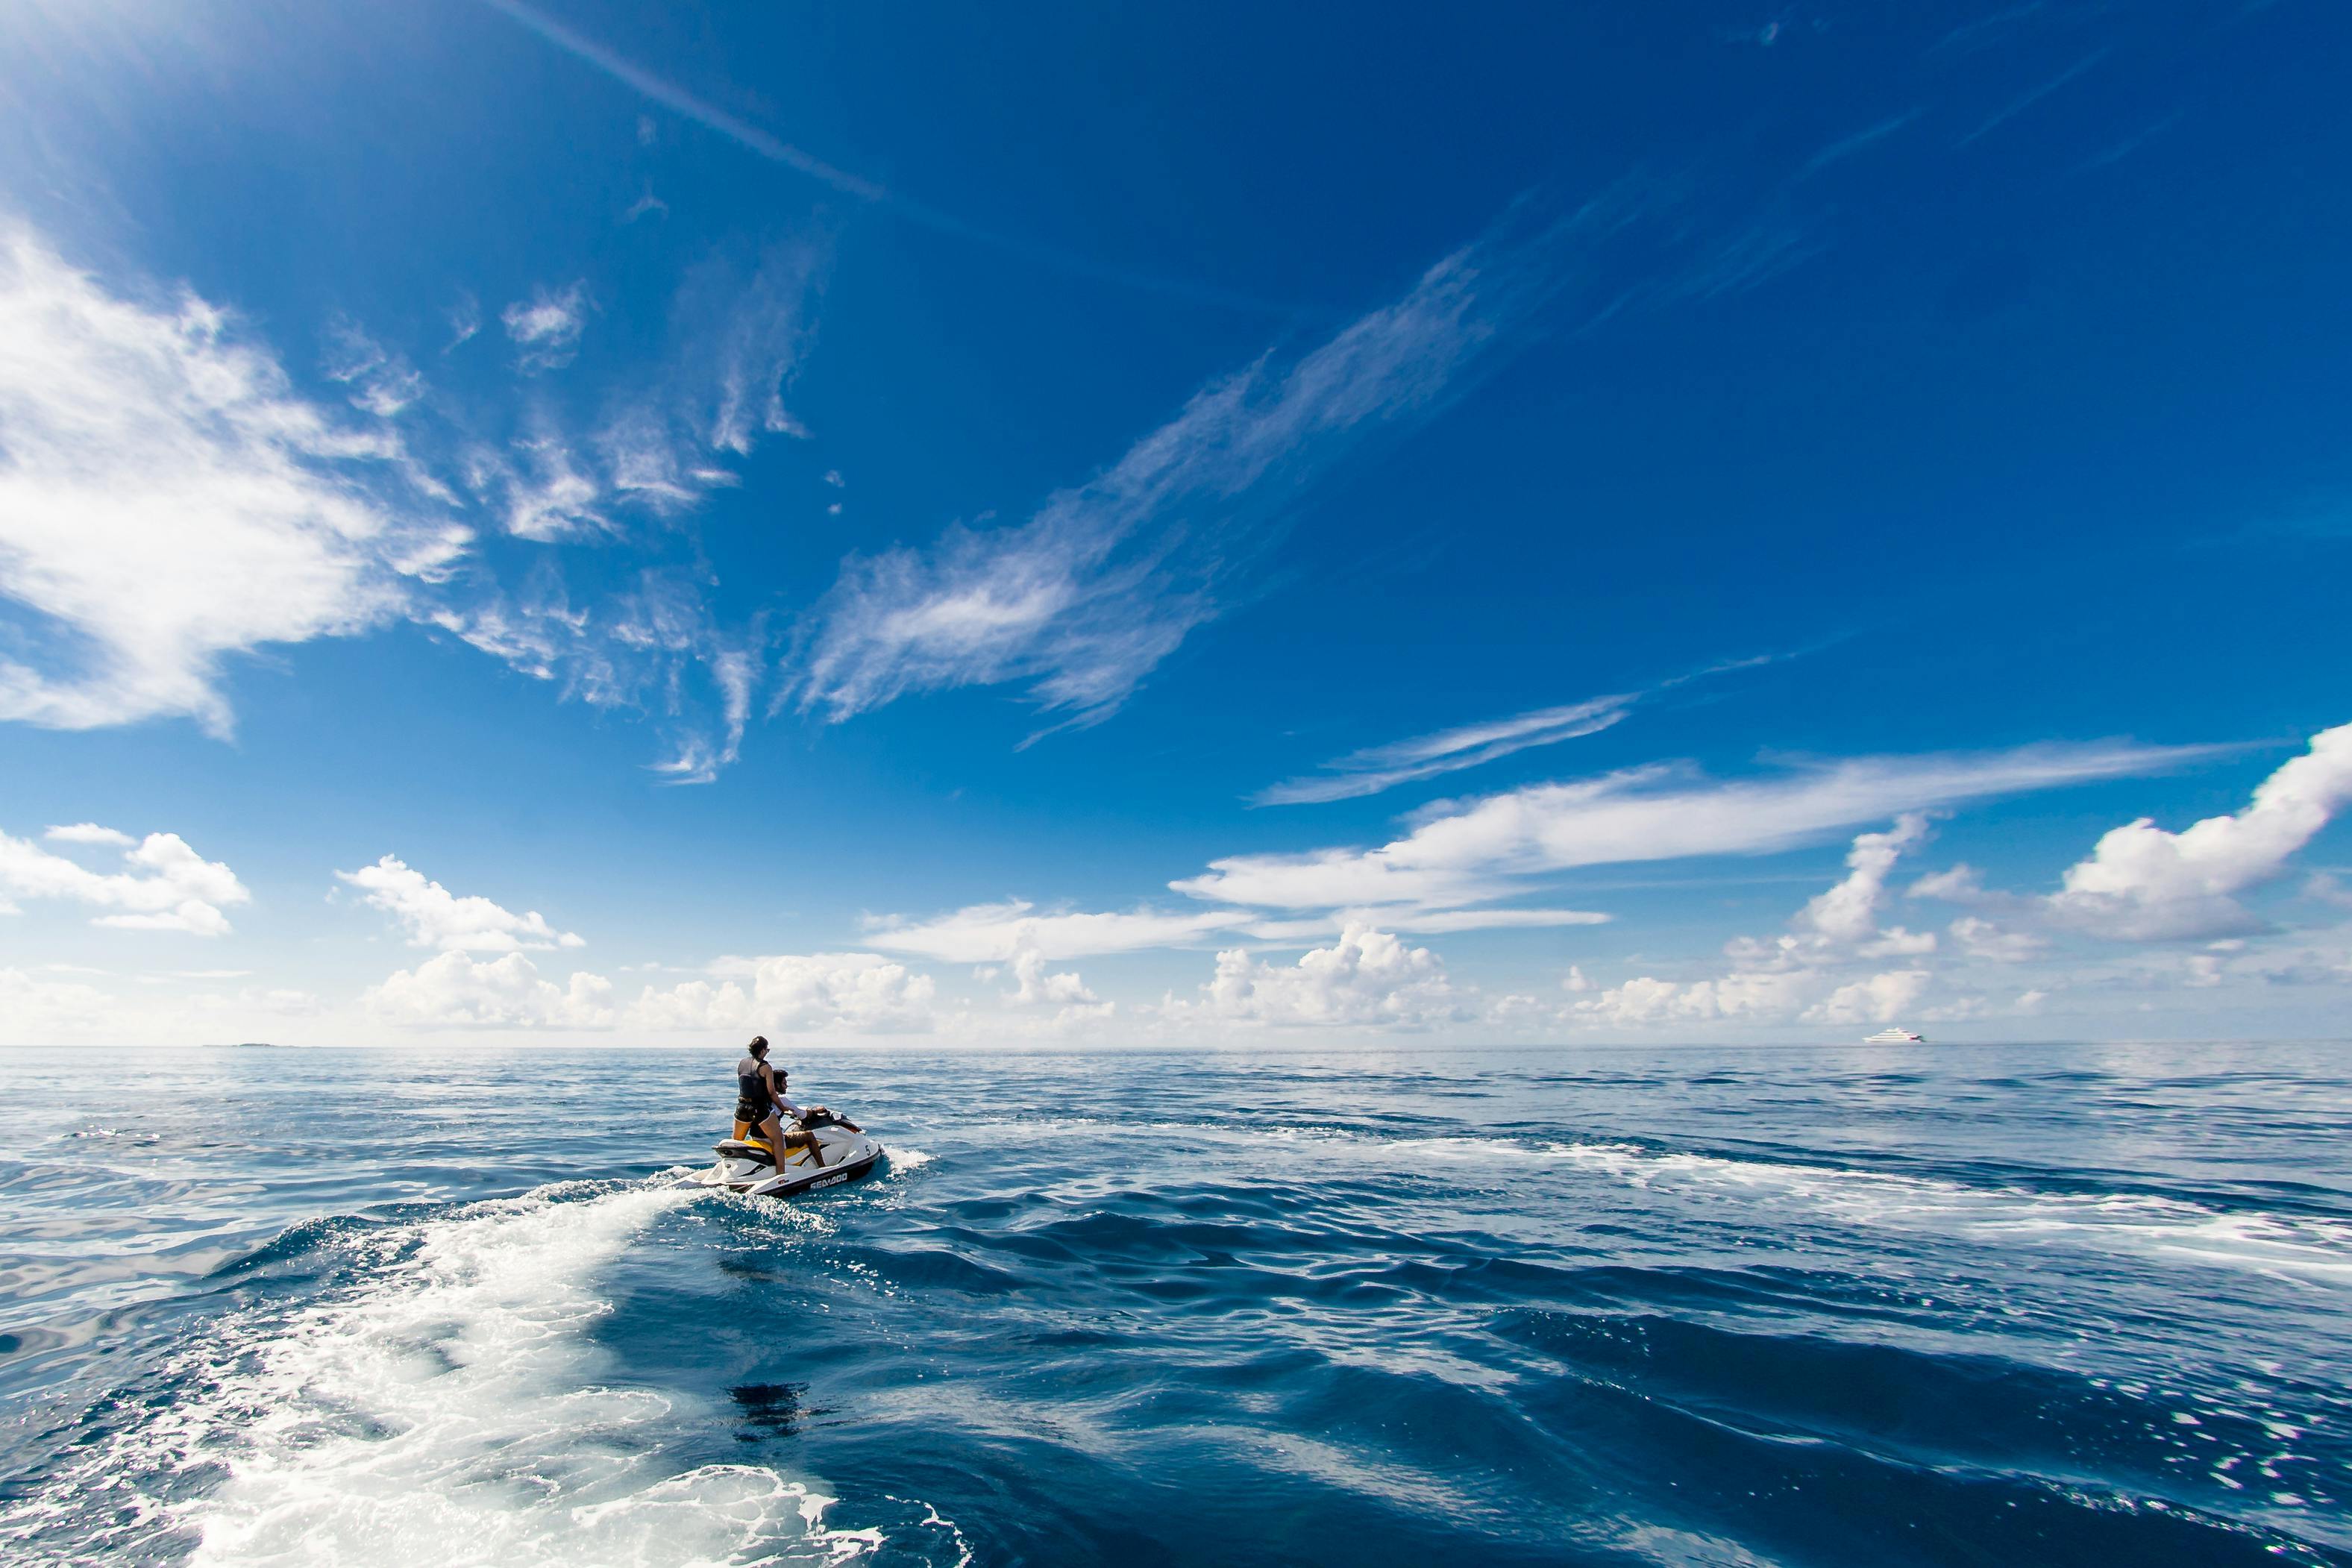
1879,999
382,379
465,319
540,487
1378,768
1962,884
1444,922
1795,974
1465,853
739,328
654,647
1066,990
34,1011
1103,581
1367,977
166,885
735,672
455,990
89,833
166,499
849,992
1848,912
546,328
2143,884
1762,996
999,933
1981,939
434,917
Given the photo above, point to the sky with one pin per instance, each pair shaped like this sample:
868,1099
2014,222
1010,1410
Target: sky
1216,527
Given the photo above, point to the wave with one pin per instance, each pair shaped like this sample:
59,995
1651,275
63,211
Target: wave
451,1407
2307,1248
2311,1250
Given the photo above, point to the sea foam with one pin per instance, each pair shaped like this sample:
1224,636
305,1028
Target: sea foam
452,1408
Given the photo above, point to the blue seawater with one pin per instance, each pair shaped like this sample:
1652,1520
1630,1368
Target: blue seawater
2013,1306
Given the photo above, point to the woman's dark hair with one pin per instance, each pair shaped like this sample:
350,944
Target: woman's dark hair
759,1046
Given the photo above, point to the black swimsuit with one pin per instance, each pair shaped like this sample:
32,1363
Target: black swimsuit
753,1102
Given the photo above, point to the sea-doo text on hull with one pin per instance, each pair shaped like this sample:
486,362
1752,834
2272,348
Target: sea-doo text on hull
748,1166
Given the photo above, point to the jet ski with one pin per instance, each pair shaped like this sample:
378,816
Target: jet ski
748,1166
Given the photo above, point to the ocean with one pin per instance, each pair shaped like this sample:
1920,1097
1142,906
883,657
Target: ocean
1953,1305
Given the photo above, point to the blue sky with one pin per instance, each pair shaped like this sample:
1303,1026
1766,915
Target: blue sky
1228,527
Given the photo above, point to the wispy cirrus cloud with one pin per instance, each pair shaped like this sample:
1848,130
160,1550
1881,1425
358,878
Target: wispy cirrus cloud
1083,600
168,499
1485,849
1384,767
653,647
545,329
1001,932
1378,768
998,933
382,379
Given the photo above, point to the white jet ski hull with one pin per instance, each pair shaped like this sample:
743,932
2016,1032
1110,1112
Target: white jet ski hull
745,1168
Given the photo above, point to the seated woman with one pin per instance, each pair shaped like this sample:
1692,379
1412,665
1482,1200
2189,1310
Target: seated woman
757,1105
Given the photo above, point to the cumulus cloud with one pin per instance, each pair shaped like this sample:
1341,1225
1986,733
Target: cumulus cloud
1962,884
166,499
1466,853
1879,999
545,329
2144,884
1367,977
1848,912
847,993
1796,974
1982,939
456,990
1761,996
165,886
1087,596
1064,992
1769,996
36,1011
434,917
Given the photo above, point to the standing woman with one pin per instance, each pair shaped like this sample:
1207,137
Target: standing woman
755,1092
756,1105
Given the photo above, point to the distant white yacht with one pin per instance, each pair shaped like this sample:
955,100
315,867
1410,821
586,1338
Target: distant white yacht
1894,1037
